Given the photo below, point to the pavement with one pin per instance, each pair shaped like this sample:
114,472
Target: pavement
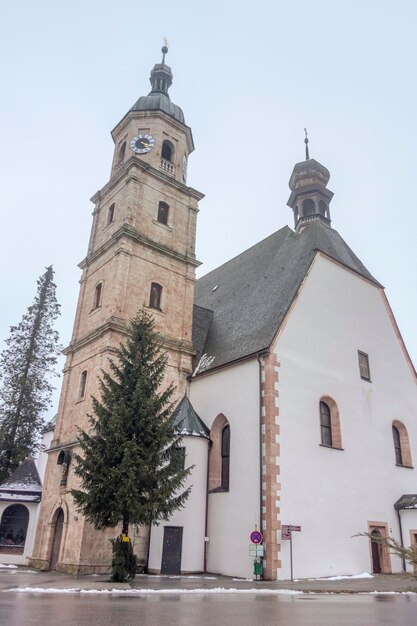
24,578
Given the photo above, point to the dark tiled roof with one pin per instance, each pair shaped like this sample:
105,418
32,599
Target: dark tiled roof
250,294
187,420
24,479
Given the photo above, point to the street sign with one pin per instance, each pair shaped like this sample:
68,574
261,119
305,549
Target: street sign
286,534
256,550
256,536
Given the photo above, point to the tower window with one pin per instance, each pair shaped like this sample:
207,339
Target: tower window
308,207
167,150
322,208
364,366
110,214
397,446
163,210
97,296
83,383
122,152
155,296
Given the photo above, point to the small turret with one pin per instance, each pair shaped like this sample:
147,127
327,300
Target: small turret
310,198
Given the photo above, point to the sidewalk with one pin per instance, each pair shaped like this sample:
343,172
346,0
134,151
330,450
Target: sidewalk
23,578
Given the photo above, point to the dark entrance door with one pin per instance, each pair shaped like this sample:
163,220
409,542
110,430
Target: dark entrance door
171,550
376,552
59,522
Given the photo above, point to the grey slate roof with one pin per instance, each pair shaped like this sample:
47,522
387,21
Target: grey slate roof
187,420
23,484
250,294
157,101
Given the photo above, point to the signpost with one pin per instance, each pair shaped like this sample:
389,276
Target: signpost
256,550
286,534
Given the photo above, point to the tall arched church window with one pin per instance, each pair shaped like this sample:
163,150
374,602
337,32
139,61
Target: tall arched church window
97,295
322,208
167,150
401,444
219,455
155,296
163,210
330,432
225,457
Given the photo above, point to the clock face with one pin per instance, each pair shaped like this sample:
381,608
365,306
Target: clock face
142,144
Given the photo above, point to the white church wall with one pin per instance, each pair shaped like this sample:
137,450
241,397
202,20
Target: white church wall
42,458
232,515
333,493
192,517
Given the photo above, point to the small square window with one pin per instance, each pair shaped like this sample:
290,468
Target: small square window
364,365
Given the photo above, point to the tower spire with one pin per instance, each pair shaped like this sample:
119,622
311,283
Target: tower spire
161,75
306,143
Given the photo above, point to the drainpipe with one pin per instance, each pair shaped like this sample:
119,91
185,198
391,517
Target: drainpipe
401,537
207,501
260,444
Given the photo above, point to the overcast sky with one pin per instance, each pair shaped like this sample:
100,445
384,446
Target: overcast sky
249,77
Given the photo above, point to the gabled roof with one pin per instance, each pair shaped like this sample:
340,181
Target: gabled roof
187,420
23,484
250,295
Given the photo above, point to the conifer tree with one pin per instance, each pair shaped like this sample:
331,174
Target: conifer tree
131,467
26,366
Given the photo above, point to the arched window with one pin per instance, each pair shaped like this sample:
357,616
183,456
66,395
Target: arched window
325,425
83,383
330,432
110,214
163,210
97,296
155,296
122,152
13,528
308,207
167,150
401,444
225,457
61,458
322,208
219,456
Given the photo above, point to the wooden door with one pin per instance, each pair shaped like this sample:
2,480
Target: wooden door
56,546
376,553
171,550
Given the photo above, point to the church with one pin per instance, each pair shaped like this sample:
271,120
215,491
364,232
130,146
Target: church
295,394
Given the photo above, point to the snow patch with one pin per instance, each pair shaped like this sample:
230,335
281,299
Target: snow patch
347,577
289,592
7,566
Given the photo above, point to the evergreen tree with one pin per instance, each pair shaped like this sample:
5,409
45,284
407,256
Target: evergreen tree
26,366
131,466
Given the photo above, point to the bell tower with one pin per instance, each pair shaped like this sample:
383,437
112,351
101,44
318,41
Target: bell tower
141,254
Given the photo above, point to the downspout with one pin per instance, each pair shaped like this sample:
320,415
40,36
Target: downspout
401,537
260,444
207,501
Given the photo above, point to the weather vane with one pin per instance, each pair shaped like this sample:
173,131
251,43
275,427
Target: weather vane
164,49
306,143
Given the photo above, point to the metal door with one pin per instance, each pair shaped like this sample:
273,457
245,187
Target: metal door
171,550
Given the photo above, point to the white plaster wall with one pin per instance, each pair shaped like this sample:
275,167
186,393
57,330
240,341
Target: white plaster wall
333,494
232,515
42,457
22,559
192,516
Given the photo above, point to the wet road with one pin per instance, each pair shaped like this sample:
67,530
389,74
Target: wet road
206,609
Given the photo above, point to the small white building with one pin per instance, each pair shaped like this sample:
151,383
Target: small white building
20,496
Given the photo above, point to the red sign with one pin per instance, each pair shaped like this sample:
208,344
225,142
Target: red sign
256,536
287,529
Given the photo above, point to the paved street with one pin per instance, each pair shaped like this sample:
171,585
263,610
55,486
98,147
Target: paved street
206,609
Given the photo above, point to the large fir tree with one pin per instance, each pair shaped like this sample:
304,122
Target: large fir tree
26,366
131,467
